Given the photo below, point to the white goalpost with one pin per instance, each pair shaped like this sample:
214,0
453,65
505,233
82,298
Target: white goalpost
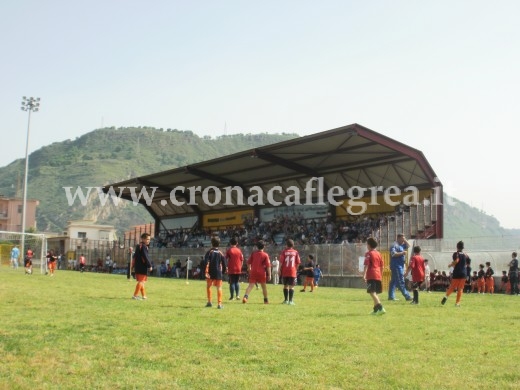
37,243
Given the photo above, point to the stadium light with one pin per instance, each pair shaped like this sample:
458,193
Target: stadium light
30,105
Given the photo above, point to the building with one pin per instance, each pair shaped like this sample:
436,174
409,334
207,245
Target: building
84,236
11,214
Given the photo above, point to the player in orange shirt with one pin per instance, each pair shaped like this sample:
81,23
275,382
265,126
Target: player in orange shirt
259,269
289,262
234,258
372,274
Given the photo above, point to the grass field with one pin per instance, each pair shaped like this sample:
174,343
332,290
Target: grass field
82,331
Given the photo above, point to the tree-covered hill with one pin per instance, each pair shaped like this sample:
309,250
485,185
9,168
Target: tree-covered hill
111,155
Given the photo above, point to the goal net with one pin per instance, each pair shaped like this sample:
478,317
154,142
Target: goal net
37,243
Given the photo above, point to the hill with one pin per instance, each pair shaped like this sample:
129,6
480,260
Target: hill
110,155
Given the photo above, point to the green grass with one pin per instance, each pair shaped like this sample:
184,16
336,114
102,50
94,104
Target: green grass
83,331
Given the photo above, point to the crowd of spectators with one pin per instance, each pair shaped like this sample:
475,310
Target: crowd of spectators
302,231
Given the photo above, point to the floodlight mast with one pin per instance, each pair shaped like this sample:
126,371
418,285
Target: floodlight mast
30,105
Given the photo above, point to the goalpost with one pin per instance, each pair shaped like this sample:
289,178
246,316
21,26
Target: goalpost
36,242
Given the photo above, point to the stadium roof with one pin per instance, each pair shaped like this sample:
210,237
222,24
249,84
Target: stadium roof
347,156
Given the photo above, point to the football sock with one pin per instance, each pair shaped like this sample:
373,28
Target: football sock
219,296
291,294
286,294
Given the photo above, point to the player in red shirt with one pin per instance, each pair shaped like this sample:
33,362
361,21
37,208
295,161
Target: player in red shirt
417,268
234,258
258,265
289,262
373,273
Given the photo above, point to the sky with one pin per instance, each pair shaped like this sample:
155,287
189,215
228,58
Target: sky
441,76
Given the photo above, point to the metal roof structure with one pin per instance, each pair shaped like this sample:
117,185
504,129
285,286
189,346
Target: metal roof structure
347,156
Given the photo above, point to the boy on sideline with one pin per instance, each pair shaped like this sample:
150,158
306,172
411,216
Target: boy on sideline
372,275
215,267
141,264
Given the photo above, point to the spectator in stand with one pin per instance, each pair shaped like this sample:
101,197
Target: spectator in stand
289,264
235,260
398,253
417,269
459,274
308,272
481,283
490,280
513,274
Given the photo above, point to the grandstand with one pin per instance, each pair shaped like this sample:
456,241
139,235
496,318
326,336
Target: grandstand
215,195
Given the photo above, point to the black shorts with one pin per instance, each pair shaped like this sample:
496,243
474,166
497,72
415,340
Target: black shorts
374,286
288,281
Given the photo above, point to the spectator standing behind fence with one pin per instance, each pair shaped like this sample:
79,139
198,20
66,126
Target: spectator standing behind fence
15,254
397,260
317,275
372,275
513,274
427,276
417,269
215,268
235,259
459,274
141,265
490,280
275,267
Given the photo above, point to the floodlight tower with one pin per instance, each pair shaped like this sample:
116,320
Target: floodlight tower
30,105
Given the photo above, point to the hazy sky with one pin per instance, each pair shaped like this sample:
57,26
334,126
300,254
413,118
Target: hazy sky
440,76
